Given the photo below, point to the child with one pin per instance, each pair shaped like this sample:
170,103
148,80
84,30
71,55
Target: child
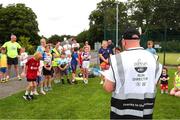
80,59
39,80
63,65
69,63
3,65
30,71
164,81
176,90
117,50
74,63
150,48
85,64
23,57
47,68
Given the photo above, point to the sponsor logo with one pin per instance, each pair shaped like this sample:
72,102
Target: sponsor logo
140,66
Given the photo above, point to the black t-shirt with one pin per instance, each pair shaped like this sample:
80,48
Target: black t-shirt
164,81
111,47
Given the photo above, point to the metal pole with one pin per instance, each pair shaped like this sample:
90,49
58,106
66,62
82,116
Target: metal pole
165,44
117,12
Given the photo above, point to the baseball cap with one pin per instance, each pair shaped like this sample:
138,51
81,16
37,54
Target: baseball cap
131,34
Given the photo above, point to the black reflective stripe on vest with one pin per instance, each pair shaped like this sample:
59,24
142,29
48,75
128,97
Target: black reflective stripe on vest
116,116
134,104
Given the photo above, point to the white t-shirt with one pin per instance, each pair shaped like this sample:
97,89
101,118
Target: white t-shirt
67,48
138,71
60,49
75,45
23,58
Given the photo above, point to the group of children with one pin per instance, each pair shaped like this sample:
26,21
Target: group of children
41,68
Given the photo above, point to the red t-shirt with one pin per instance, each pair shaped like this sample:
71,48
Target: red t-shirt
32,68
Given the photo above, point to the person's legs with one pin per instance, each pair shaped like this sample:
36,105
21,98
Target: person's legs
49,82
177,94
173,91
8,73
46,82
17,71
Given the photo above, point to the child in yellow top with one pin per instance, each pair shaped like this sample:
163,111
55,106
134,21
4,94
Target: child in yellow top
3,64
176,90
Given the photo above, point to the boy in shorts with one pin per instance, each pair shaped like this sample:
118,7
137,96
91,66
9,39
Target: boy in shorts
63,66
30,71
3,64
74,62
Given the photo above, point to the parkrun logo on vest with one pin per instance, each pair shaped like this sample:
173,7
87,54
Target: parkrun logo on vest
140,66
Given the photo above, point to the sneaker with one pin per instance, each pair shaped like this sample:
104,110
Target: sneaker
74,82
19,78
3,81
69,81
162,91
101,82
49,88
86,81
26,97
42,92
6,80
35,93
166,92
55,81
31,97
46,89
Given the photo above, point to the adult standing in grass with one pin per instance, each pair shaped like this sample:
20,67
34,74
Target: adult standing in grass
104,55
12,55
111,46
132,79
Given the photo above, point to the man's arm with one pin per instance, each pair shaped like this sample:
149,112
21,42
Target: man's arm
109,86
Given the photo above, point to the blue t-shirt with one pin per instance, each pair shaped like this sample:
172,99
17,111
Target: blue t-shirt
74,57
105,53
63,61
151,50
40,49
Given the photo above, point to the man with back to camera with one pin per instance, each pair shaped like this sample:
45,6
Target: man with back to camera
132,79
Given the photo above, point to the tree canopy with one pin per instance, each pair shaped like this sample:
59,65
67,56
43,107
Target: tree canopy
19,20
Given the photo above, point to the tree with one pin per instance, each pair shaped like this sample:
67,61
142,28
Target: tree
155,15
55,38
25,42
19,20
103,20
83,36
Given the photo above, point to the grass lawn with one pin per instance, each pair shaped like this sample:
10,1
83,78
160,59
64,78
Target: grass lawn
171,58
78,102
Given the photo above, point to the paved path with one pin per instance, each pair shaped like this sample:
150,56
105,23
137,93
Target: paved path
13,86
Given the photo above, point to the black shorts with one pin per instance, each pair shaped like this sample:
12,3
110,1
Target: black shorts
47,72
31,80
12,61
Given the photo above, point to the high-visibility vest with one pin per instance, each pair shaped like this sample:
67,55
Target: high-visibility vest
136,73
177,80
55,60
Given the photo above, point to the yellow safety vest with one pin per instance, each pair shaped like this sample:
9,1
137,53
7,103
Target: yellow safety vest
177,80
55,60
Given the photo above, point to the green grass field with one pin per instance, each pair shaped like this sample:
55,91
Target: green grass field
171,58
78,102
